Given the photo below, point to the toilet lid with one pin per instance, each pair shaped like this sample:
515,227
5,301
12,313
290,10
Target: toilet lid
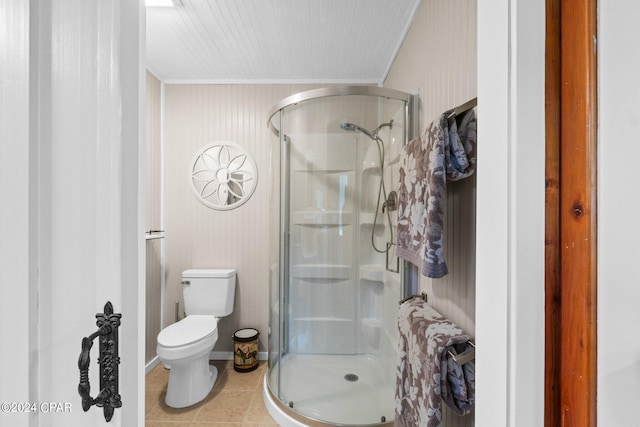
189,330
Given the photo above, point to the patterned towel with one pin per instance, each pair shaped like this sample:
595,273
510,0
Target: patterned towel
446,151
426,373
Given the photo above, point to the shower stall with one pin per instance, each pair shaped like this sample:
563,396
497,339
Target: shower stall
335,280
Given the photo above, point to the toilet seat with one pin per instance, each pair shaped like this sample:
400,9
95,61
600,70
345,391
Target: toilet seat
187,331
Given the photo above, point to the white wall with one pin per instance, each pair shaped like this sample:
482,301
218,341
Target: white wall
618,206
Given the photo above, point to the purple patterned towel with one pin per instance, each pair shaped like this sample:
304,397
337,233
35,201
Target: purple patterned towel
446,151
426,374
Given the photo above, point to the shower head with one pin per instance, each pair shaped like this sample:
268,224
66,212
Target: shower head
350,127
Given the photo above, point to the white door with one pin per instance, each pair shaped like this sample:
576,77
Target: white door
71,234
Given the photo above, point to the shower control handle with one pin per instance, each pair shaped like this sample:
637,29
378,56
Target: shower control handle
108,398
391,203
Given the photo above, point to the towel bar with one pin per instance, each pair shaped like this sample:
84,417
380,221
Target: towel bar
466,356
423,295
464,107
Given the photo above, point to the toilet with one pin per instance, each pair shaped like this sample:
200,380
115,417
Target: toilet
184,347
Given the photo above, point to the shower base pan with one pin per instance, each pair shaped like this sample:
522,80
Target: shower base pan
329,390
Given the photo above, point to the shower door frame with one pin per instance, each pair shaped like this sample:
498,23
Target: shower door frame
408,276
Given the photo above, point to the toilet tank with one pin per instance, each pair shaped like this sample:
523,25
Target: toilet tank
209,291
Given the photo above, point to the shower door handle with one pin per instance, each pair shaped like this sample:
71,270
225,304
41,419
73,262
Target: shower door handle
109,397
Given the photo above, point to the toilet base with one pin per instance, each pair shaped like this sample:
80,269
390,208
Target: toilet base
190,383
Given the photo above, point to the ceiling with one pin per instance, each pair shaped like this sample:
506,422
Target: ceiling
277,41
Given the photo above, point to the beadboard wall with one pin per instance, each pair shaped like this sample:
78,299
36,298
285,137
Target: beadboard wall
438,61
200,237
154,153
153,215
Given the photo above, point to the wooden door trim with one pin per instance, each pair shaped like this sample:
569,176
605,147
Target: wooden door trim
571,370
552,219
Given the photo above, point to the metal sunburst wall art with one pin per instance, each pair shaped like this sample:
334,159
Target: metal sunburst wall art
223,175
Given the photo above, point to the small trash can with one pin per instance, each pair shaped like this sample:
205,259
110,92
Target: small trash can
245,349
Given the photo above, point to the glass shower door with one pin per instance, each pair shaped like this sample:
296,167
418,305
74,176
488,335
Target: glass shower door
333,299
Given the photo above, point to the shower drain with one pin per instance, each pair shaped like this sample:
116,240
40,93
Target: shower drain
351,377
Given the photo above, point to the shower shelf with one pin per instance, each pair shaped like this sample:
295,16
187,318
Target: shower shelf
154,234
372,328
315,169
372,168
321,271
372,272
322,319
367,218
396,159
322,217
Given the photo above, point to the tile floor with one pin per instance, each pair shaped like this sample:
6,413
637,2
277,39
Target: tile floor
236,400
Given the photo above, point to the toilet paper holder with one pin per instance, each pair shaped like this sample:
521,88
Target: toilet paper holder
109,397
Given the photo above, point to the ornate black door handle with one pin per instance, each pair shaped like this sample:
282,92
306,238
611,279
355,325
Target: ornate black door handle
108,398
